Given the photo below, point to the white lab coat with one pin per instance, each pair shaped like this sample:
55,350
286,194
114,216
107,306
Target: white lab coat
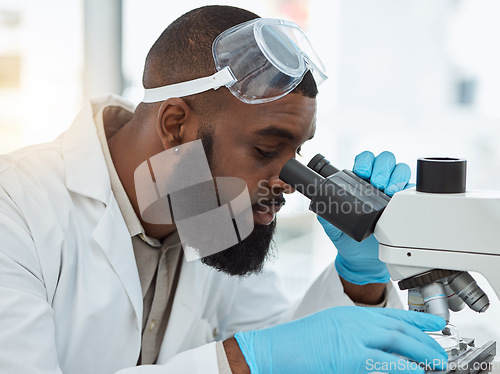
70,295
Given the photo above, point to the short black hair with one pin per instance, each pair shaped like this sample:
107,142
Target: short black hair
184,50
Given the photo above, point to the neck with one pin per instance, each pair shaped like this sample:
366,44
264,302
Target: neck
129,148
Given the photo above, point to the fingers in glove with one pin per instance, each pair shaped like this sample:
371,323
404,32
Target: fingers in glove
424,321
399,179
413,324
363,164
382,170
401,344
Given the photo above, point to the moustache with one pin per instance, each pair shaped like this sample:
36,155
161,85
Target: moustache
270,204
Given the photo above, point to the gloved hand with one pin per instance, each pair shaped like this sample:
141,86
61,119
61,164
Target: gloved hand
346,339
358,262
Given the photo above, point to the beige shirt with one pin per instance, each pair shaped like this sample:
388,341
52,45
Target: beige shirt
158,263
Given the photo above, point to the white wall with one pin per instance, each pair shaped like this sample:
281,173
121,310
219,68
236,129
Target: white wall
48,40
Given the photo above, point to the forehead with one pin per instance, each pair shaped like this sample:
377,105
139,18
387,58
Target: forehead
292,118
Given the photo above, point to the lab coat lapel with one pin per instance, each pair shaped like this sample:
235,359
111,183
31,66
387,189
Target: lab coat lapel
113,237
184,310
87,175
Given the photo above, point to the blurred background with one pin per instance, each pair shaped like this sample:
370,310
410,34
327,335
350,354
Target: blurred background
417,77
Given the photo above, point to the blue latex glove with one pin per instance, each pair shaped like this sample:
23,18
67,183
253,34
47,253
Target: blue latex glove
382,171
347,339
358,262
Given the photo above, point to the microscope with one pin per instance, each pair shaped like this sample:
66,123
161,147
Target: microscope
430,237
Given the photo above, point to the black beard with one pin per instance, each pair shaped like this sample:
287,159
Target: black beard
248,256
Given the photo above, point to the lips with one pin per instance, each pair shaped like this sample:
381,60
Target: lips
265,211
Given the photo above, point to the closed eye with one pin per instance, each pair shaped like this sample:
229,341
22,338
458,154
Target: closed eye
267,154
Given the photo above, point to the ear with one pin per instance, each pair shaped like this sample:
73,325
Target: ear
176,123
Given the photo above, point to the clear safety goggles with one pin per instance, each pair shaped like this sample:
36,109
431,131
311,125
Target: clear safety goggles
258,61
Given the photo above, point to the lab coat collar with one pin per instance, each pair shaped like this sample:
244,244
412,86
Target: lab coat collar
86,171
87,175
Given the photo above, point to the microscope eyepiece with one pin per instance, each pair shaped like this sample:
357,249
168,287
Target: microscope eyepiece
322,166
303,179
342,198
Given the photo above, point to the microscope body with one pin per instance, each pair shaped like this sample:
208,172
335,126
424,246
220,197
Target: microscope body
425,233
421,231
430,237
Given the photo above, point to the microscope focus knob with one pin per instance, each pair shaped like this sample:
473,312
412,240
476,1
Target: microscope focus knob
441,175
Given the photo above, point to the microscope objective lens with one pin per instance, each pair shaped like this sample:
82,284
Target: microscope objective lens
415,302
455,303
467,289
435,300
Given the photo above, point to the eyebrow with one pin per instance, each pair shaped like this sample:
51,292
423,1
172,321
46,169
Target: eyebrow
279,132
275,131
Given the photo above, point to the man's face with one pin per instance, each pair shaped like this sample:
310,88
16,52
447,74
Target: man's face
253,142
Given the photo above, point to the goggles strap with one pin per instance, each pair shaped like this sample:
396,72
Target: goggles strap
223,77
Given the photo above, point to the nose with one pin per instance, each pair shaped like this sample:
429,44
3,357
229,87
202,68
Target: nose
275,183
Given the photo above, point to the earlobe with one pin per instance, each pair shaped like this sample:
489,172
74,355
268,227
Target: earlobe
173,121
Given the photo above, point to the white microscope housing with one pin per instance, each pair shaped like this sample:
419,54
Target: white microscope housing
421,231
431,236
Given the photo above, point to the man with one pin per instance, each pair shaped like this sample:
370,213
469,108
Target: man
87,285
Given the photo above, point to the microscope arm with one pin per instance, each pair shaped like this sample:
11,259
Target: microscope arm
419,231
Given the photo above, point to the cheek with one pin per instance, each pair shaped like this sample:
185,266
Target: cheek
241,164
231,159
229,163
